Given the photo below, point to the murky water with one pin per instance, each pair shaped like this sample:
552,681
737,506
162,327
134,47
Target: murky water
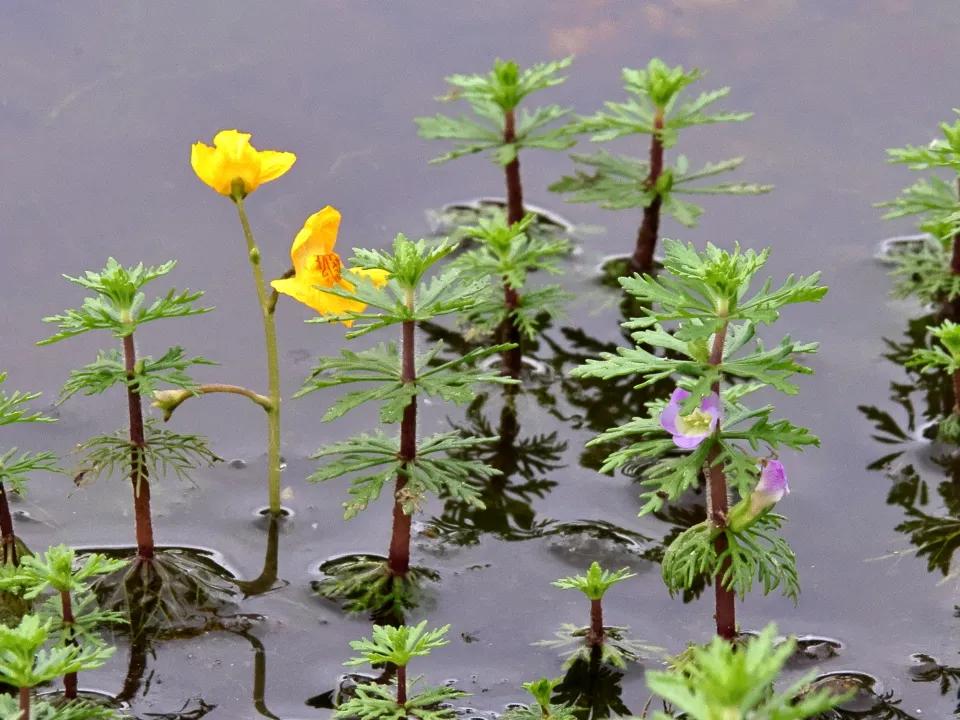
98,107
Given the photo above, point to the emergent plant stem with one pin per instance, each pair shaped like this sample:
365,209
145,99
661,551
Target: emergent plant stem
956,400
595,637
398,562
955,260
25,703
138,468
719,504
642,259
508,331
70,679
401,685
512,170
8,540
267,306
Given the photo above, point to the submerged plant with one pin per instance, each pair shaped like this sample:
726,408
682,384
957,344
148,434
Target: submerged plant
498,128
945,357
396,647
503,257
657,109
544,708
706,427
72,606
25,661
608,642
143,451
15,469
399,377
233,167
720,681
932,271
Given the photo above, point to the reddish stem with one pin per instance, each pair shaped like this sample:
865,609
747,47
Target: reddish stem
138,473
595,637
9,539
642,259
955,260
508,332
70,679
956,391
726,616
401,685
512,170
25,703
398,562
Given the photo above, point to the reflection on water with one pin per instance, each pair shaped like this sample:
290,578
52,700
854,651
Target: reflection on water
593,687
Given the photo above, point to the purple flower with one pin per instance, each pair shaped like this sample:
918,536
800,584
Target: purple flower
771,488
689,430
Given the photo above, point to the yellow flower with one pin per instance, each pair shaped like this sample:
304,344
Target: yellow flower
316,264
232,157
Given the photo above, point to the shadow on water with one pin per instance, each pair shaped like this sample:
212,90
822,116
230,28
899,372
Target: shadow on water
593,687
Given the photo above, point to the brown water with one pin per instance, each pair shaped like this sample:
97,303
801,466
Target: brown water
98,108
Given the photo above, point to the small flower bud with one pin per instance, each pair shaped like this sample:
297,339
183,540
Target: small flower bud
169,400
255,255
768,492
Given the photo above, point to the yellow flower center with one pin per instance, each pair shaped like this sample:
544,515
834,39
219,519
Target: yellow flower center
696,423
328,265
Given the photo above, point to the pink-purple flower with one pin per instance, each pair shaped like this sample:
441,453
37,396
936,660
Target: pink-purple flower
689,430
771,488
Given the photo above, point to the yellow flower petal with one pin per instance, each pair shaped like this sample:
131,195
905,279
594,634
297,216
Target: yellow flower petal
378,276
232,157
273,164
324,303
317,237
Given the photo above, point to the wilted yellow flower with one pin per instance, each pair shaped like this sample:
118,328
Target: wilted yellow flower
317,265
232,157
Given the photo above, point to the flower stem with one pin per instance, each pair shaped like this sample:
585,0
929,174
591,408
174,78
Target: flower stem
595,637
398,561
25,703
8,540
401,685
70,679
718,507
267,306
642,259
138,468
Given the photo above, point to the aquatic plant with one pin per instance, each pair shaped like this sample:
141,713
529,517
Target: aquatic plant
400,376
498,128
931,271
608,642
503,256
71,606
544,708
25,661
723,681
705,426
119,306
396,647
15,469
657,108
944,357
233,167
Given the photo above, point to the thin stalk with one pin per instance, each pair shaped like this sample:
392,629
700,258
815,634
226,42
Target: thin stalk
25,703
138,468
271,562
955,260
70,679
8,554
401,685
719,505
267,306
398,561
508,331
956,394
596,636
642,259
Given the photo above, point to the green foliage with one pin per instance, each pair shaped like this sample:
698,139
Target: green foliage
543,709
42,710
109,370
616,649
119,305
55,571
163,452
491,97
397,646
16,469
926,273
720,681
25,662
657,107
503,256
595,583
944,356
706,300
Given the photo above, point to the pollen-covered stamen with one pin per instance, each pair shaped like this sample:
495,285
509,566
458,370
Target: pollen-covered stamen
327,265
696,423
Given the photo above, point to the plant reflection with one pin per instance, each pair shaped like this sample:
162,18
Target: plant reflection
267,579
593,687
